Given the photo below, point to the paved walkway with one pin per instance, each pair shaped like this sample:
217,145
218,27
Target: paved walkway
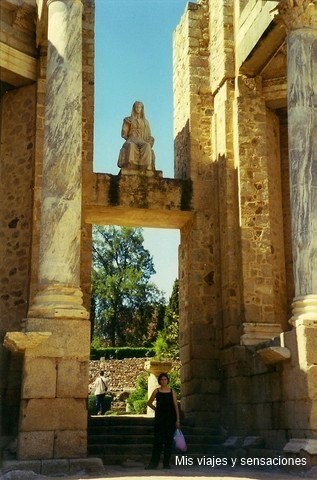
199,473
176,473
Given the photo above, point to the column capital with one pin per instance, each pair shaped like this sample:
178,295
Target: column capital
296,14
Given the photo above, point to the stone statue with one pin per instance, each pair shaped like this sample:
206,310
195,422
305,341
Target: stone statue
136,153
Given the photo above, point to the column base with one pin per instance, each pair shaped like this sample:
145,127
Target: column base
304,311
255,333
58,301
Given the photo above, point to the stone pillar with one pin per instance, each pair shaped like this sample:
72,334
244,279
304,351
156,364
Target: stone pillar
301,24
199,252
260,209
53,417
58,293
154,368
300,19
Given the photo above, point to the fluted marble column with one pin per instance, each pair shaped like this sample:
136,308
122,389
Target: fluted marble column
59,293
300,18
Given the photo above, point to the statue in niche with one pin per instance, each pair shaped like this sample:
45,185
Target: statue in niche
136,153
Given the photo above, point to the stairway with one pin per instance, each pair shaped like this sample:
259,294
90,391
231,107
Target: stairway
122,439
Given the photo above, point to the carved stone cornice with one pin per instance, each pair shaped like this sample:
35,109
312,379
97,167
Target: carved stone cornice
295,14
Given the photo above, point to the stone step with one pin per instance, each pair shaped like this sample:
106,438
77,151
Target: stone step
128,430
110,438
120,420
143,449
143,458
118,440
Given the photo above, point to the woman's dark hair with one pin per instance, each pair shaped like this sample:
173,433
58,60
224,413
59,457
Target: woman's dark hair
160,377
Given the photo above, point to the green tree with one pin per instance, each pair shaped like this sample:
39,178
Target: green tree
127,306
167,342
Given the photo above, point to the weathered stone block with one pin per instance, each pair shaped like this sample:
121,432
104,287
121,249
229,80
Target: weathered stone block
39,379
295,384
308,343
55,467
264,415
53,414
239,389
260,388
24,465
72,378
70,338
307,418
204,368
203,403
70,444
90,465
290,341
184,353
36,444
203,350
312,382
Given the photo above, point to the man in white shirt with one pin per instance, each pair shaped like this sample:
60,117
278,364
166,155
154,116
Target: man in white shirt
100,388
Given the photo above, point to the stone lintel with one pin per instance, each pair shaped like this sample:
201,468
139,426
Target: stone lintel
147,173
134,217
275,92
18,342
271,355
265,50
17,68
134,200
295,445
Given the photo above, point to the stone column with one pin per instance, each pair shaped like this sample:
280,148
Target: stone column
53,416
300,19
301,24
59,294
154,368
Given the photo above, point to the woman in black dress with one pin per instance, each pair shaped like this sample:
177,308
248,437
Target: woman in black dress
165,423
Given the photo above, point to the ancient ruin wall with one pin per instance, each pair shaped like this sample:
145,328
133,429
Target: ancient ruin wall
181,98
16,197
221,42
276,219
260,210
199,249
223,154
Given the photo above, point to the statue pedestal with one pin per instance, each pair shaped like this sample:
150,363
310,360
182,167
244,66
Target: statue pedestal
154,368
141,171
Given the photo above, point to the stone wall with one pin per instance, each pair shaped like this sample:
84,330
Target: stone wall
16,198
221,42
199,278
260,207
252,397
120,375
17,26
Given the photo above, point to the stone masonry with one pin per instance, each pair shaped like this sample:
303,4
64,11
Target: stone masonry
243,198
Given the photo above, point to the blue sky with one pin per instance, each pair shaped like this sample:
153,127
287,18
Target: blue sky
133,41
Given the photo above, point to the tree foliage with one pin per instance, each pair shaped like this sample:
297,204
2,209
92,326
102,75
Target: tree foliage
166,345
127,306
